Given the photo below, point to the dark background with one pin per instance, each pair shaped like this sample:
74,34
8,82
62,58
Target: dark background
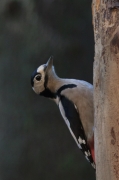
34,140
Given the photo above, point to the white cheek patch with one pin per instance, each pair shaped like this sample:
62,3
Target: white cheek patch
41,71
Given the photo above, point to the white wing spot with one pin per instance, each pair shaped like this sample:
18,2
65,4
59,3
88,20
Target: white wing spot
89,153
80,140
67,123
86,153
87,158
76,107
33,88
83,141
93,164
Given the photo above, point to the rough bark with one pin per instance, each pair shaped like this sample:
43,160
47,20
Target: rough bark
106,88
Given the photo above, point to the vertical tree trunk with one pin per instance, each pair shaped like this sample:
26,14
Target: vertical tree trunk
106,88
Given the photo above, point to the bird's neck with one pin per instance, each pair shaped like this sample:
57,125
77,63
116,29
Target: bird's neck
52,84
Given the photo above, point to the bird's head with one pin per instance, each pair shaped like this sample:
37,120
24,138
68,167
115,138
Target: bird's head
39,77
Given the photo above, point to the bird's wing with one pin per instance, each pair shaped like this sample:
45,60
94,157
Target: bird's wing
72,118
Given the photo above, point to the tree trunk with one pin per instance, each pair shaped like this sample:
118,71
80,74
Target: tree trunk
106,88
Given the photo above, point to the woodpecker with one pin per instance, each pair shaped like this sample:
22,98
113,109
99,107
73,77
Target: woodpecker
75,101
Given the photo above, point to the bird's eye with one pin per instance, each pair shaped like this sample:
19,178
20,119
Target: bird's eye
38,77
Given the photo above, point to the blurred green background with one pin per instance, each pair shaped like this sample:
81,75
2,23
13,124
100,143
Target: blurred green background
34,140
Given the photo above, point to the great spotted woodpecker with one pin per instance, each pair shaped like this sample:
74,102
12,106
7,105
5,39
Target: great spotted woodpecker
75,101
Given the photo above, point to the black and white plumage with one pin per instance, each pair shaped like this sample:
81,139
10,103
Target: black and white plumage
75,101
